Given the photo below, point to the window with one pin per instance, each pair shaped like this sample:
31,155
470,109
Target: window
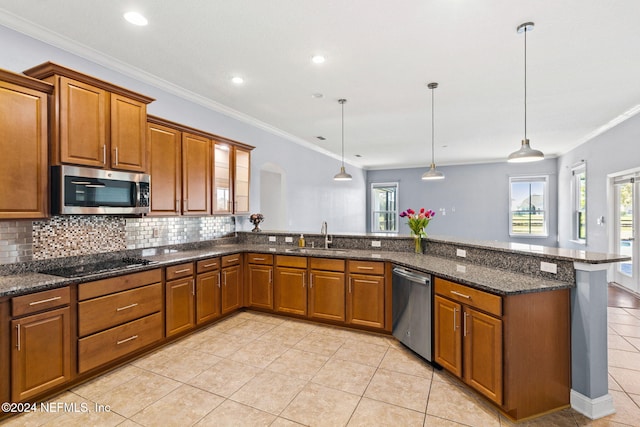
528,206
384,207
579,175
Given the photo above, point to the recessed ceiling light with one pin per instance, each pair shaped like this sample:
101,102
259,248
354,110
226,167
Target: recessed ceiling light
136,18
317,95
318,59
237,80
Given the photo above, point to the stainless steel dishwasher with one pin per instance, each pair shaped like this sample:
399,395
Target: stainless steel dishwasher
411,308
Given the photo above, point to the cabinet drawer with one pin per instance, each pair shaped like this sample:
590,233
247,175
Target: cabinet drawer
103,347
327,264
208,265
105,312
228,260
117,284
266,259
469,296
39,301
366,267
291,261
180,270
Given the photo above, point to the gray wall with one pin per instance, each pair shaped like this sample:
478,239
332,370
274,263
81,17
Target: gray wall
472,201
311,194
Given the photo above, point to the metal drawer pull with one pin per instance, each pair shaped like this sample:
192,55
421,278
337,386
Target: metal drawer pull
461,295
184,270
455,310
18,336
364,268
117,155
258,259
127,306
104,154
350,279
127,340
465,324
44,300
232,260
210,265
373,282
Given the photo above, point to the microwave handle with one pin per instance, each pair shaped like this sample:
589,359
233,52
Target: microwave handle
136,194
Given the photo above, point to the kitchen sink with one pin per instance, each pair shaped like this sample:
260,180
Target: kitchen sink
319,251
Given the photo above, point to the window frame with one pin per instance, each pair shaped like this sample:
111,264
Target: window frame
579,212
373,207
531,179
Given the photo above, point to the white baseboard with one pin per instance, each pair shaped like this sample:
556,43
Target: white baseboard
593,408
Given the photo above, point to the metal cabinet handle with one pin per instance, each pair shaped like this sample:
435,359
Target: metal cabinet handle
177,205
350,279
461,295
271,276
193,287
218,280
310,280
104,154
364,268
45,300
210,265
465,323
185,205
116,155
131,338
304,278
224,278
184,270
455,311
18,336
127,306
232,260
258,259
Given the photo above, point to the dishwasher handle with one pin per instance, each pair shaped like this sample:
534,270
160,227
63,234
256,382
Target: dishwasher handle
413,276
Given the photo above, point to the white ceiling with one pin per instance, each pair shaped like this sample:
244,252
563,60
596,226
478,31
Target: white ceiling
583,67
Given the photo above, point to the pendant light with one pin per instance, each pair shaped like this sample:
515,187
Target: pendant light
525,153
343,175
432,173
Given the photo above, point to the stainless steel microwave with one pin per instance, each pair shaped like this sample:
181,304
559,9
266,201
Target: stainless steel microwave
78,190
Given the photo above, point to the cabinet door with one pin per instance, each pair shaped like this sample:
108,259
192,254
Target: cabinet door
180,295
41,353
165,169
327,295
222,190
231,289
241,180
23,144
128,134
291,290
196,175
365,301
260,286
207,296
448,335
83,123
483,353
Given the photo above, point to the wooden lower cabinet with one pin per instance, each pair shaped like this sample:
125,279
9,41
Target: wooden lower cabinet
207,296
231,292
327,295
180,305
366,294
514,349
291,285
259,289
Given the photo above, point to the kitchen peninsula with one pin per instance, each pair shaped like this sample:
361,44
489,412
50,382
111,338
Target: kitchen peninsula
509,272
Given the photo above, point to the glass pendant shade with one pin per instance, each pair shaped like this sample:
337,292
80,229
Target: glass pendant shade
525,154
342,175
432,174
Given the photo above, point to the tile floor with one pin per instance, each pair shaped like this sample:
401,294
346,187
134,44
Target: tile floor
256,369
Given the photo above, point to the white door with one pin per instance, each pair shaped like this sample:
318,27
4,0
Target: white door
626,232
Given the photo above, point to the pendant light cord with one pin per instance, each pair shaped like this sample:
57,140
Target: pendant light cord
525,83
342,103
432,126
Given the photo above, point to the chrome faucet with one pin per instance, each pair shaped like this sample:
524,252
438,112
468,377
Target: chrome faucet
327,238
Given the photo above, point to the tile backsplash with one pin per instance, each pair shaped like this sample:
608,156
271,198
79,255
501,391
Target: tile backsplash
64,236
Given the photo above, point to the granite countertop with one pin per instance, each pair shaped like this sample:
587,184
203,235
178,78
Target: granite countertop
496,281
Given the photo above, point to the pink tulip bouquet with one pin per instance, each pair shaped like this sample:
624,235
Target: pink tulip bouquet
418,221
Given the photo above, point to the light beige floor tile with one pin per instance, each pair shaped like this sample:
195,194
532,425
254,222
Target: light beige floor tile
316,342
38,416
345,375
224,378
298,363
185,405
374,413
403,360
633,311
284,335
399,389
135,395
623,319
335,331
97,387
128,423
613,385
258,353
372,338
361,352
624,359
431,421
635,342
457,404
619,342
221,344
564,418
227,323
197,338
262,317
625,330
81,412
310,406
628,379
231,413
250,329
181,364
269,391
283,422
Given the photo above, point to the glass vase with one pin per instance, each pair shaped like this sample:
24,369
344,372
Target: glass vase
418,244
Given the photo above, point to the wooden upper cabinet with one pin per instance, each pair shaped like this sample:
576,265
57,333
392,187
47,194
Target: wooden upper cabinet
196,175
95,123
23,144
241,180
165,167
231,176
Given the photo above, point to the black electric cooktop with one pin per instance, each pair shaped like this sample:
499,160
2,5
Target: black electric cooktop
98,267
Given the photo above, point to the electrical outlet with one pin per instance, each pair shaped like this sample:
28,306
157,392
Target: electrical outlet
549,267
376,243
156,232
288,239
461,268
272,238
461,253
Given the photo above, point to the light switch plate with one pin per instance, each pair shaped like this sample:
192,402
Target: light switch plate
288,239
376,243
272,238
549,267
461,253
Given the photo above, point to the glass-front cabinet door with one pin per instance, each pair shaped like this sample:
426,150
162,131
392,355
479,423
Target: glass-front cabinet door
241,181
222,179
